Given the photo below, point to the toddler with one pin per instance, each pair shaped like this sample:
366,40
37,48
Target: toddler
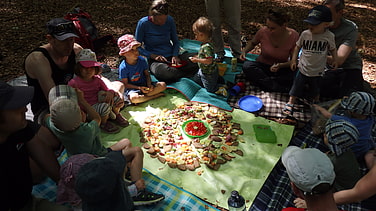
207,76
358,110
315,44
96,92
134,73
340,135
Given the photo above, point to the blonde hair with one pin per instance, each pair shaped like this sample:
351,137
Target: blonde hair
203,25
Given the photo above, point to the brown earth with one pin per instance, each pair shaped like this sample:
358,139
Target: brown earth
23,24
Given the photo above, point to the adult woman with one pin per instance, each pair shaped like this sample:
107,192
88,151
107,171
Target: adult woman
157,33
271,70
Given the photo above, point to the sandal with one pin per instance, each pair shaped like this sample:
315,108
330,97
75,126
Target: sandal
288,109
109,128
120,120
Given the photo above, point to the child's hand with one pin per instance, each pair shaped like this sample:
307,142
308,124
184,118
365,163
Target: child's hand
274,68
140,184
193,59
242,56
145,89
175,60
293,65
109,97
334,65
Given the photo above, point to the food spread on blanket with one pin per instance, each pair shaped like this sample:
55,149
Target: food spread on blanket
191,135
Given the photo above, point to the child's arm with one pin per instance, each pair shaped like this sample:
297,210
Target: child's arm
334,61
294,57
323,111
208,60
92,114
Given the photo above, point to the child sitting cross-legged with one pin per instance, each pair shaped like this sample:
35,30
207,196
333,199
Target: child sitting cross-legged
79,137
134,73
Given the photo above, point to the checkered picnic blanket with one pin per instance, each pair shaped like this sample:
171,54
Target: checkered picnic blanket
276,192
273,102
175,198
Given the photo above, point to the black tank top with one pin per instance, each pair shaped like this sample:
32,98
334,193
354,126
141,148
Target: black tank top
59,76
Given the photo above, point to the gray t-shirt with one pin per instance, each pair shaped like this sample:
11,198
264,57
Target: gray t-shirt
347,34
315,49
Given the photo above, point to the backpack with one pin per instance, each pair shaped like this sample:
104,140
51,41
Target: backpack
86,30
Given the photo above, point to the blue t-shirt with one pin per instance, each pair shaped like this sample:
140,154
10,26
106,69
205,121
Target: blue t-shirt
365,141
134,73
160,40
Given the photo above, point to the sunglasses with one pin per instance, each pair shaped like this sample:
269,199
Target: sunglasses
63,28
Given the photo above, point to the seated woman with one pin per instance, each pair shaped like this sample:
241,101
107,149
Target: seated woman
271,70
157,33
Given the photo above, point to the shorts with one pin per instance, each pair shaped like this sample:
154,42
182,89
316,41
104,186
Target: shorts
300,89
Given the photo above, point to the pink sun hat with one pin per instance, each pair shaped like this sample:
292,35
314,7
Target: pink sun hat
126,43
87,58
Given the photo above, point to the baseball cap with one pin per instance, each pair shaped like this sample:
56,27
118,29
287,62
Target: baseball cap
360,103
65,114
68,174
61,91
308,168
318,15
126,43
13,97
341,135
61,28
87,58
100,184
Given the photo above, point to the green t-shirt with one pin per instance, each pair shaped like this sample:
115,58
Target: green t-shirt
85,139
206,51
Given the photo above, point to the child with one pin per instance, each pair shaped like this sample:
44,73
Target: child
315,43
207,76
134,73
84,137
340,135
96,92
358,110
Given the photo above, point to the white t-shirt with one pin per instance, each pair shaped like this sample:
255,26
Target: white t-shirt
315,48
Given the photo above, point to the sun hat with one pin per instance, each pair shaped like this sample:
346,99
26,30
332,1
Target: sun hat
87,58
61,91
318,15
65,114
61,28
13,97
360,103
308,168
126,43
68,174
101,186
341,135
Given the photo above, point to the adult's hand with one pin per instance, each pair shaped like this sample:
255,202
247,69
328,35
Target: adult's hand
158,58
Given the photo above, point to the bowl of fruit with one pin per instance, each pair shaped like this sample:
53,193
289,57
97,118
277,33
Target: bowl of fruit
195,129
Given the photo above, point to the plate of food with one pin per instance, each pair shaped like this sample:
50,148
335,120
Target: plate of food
250,103
181,64
195,128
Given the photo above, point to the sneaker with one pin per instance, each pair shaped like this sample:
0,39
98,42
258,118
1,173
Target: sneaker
109,128
221,91
145,197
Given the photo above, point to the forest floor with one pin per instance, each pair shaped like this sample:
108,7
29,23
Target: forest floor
23,24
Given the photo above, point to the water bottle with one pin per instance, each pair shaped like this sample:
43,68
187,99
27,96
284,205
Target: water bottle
236,202
234,64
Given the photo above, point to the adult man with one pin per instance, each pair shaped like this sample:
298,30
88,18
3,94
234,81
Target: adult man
232,11
51,64
348,77
312,176
20,139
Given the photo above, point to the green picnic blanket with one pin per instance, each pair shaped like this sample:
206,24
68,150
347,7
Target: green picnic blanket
245,174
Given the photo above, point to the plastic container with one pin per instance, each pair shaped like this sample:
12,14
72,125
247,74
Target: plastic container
222,68
239,87
236,202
